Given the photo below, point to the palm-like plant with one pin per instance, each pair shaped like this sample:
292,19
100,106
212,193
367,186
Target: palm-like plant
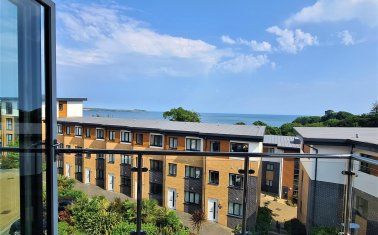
198,218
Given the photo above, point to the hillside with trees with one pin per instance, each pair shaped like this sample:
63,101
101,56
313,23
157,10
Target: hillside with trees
329,119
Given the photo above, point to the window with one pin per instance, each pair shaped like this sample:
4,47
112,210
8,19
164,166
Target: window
361,205
77,168
270,150
111,135
100,134
8,108
156,165
235,209
9,124
139,138
125,159
78,131
68,130
60,129
269,167
9,139
111,158
156,188
100,174
100,156
192,197
239,147
172,142
236,180
172,169
366,167
87,132
156,140
215,146
60,107
193,144
125,136
192,172
269,183
214,177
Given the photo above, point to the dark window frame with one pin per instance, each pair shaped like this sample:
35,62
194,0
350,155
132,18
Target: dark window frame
172,169
197,141
155,142
172,142
139,138
156,165
234,182
235,209
100,136
212,180
191,172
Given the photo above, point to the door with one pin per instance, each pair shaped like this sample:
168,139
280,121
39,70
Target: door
212,207
111,182
68,170
87,176
172,199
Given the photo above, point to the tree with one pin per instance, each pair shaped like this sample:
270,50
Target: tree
198,218
295,227
239,123
374,109
10,160
259,123
182,115
264,220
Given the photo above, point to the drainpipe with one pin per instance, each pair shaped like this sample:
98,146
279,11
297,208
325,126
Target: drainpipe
315,185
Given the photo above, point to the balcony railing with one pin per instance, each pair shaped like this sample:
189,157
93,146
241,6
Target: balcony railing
139,169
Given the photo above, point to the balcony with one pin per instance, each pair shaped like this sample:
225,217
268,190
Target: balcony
230,210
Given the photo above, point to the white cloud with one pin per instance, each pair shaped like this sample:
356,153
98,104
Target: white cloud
364,11
254,45
292,41
101,36
244,63
226,39
346,38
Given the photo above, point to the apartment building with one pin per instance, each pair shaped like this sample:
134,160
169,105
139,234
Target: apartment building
182,183
9,113
280,176
322,184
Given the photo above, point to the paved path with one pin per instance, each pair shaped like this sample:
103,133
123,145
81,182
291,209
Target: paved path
208,228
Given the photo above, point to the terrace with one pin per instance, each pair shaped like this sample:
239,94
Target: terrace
219,183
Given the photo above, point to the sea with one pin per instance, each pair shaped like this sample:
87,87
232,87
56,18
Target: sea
221,118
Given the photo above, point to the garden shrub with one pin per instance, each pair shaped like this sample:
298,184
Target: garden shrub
126,228
295,227
93,217
65,229
264,220
324,231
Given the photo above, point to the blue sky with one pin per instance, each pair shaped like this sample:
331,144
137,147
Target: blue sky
291,57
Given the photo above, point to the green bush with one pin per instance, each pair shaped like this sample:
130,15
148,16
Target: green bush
324,231
10,160
126,228
65,229
93,216
295,227
264,220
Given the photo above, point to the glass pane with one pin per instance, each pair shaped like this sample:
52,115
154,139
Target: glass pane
21,98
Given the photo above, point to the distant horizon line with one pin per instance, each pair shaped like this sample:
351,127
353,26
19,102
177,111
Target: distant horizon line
144,110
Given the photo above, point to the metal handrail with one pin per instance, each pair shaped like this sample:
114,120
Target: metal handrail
244,155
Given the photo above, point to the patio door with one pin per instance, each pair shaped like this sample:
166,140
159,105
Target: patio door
111,179
212,207
172,199
87,175
28,106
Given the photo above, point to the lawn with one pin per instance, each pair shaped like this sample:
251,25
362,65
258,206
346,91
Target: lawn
9,198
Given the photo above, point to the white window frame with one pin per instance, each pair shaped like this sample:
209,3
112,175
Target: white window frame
162,141
126,159
196,138
9,123
112,134
211,145
60,129
103,131
81,131
121,137
175,142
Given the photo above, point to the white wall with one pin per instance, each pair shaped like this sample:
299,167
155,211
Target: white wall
74,109
329,170
365,182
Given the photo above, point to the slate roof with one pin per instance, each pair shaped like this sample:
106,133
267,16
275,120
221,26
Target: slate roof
245,131
281,141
